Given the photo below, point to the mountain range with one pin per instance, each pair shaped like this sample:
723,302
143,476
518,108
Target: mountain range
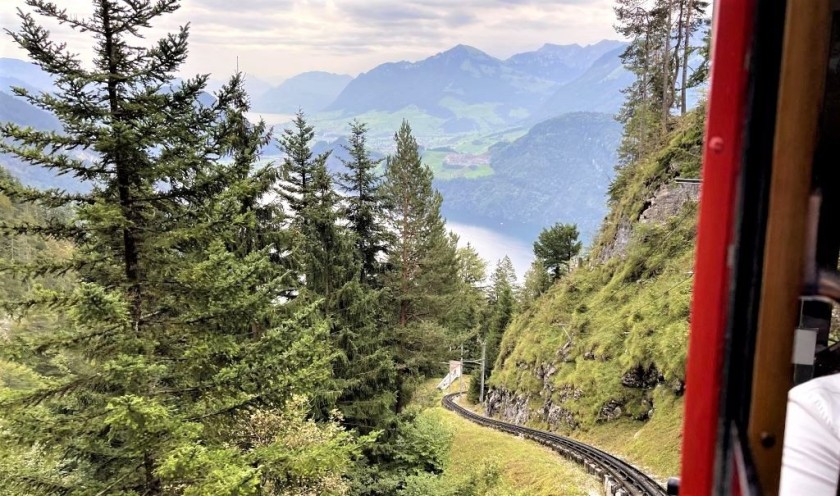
509,145
466,90
311,91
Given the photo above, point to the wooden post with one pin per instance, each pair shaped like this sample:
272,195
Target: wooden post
801,83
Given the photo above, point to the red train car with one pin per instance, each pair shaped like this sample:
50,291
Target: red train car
768,241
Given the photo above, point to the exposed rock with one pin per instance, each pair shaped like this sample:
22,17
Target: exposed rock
568,392
544,371
555,415
618,246
564,352
646,410
665,203
5,328
669,200
507,406
677,386
610,411
589,355
641,378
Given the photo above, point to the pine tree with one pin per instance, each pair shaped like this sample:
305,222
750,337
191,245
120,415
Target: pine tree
537,281
501,309
471,298
365,207
423,256
641,111
365,369
176,329
423,266
299,167
658,54
556,246
363,384
326,244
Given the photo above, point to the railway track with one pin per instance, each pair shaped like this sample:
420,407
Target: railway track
620,478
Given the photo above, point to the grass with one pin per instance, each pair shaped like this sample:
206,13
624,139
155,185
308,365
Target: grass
653,446
524,467
481,143
605,322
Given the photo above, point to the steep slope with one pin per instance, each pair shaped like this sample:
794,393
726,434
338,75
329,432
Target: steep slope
602,353
561,63
14,72
559,171
310,91
19,111
598,89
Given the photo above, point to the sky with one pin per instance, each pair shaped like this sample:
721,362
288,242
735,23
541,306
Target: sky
276,39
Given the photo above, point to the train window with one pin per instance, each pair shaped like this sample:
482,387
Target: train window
811,453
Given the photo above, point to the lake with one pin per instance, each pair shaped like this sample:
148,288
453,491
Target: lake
493,246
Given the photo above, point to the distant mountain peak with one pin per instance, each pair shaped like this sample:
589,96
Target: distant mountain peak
463,51
555,46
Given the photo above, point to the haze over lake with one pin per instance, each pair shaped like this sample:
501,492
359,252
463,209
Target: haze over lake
493,246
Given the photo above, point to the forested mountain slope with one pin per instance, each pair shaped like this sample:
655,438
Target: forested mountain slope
196,321
559,170
602,353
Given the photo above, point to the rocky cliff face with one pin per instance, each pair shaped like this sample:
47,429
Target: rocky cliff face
516,407
665,203
669,200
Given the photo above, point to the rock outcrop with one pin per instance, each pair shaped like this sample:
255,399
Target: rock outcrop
508,406
669,200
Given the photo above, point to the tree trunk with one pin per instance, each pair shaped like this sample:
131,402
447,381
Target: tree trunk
676,55
686,47
130,250
642,122
667,85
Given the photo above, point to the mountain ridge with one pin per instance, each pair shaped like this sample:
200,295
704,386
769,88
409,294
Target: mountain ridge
311,91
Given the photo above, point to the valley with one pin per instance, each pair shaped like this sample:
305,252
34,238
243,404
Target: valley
250,286
465,107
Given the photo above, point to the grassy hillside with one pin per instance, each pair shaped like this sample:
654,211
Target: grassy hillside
486,462
602,354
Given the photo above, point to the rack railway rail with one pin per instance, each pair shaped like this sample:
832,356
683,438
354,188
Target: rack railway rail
620,478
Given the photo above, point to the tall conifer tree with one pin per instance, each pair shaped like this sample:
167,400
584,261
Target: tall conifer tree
423,256
365,207
423,267
175,331
299,167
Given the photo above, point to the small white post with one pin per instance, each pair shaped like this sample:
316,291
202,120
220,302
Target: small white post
461,375
483,359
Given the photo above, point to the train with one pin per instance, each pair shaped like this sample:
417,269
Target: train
766,281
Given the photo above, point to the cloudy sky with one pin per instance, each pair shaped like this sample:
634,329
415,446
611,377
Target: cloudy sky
275,39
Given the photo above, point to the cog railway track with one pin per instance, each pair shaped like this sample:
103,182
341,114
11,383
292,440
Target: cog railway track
620,478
